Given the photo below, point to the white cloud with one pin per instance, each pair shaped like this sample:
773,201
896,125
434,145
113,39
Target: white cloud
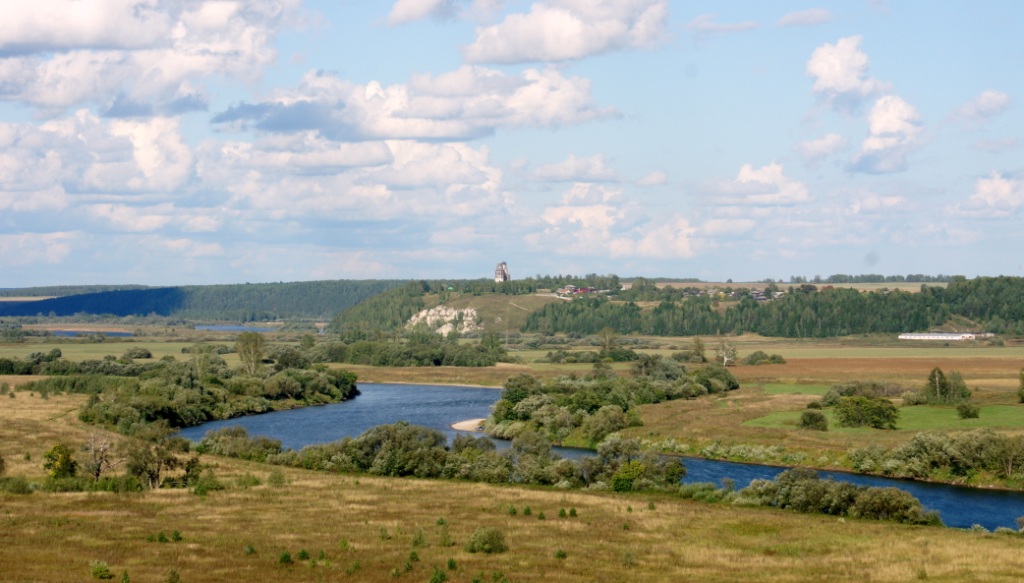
672,239
809,17
813,150
464,104
983,107
655,178
895,129
873,203
573,169
410,10
559,30
133,57
704,25
765,186
840,74
995,196
36,248
997,145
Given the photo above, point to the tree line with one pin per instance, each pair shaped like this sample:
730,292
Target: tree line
236,302
997,303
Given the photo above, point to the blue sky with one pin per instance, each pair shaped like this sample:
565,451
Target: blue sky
171,142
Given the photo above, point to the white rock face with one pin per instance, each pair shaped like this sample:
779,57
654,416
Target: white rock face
443,319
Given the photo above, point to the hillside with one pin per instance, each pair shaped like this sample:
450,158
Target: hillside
237,302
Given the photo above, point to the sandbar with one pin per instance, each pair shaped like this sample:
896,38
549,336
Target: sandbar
468,425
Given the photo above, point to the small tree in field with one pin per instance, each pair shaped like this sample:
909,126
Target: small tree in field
815,420
251,346
60,462
1020,387
3,465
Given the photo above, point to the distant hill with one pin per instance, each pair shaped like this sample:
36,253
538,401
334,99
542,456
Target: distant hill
235,302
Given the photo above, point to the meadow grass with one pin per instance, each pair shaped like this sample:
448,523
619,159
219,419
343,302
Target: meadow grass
912,419
794,389
365,528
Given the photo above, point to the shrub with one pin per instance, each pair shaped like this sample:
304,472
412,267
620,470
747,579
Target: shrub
487,539
275,478
173,577
439,576
814,420
285,558
560,554
303,555
968,410
101,570
861,411
15,485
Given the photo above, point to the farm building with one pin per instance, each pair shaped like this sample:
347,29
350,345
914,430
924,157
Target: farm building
944,336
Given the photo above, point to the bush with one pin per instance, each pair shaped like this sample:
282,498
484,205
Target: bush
100,570
814,420
968,410
487,539
872,412
15,485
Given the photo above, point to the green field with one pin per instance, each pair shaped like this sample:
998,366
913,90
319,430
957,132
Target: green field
917,418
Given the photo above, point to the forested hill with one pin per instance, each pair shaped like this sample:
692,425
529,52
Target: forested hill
994,304
236,302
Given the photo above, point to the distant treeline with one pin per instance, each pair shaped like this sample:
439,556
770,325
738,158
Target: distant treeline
873,278
996,303
237,302
59,291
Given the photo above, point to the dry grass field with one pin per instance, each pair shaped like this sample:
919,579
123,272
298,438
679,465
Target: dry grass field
362,528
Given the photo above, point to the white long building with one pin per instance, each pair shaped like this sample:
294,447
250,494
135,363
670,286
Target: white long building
944,336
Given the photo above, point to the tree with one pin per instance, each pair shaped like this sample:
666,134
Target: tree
250,347
3,465
608,339
101,452
945,390
815,420
1020,387
155,453
725,353
60,462
861,411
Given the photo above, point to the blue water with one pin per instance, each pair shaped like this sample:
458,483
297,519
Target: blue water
74,333
227,328
438,406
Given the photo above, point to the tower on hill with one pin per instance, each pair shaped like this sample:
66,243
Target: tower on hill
501,274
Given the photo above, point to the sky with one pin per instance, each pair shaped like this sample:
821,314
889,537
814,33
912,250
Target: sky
173,142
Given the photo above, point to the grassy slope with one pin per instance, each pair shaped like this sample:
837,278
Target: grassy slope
54,537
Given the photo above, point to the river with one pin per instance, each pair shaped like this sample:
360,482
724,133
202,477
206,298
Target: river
438,406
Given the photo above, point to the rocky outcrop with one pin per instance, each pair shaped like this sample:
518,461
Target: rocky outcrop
444,319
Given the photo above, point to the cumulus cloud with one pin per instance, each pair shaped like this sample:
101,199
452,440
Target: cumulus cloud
133,57
994,196
465,104
840,73
35,248
87,154
894,132
573,169
809,17
814,150
560,30
410,10
765,186
983,107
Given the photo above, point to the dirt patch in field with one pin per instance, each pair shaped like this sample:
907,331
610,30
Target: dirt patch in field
904,370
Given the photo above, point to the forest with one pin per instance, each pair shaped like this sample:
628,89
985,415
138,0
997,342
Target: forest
806,311
249,302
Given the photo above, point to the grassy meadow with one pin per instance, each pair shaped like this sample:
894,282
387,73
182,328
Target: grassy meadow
362,528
